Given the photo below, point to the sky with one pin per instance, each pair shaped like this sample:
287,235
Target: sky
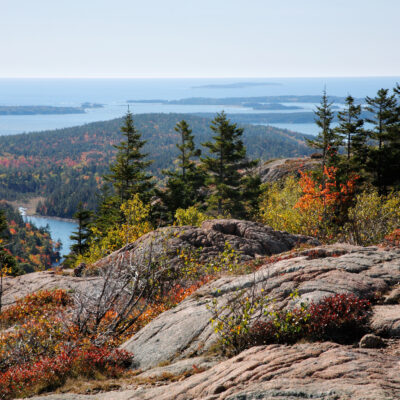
199,38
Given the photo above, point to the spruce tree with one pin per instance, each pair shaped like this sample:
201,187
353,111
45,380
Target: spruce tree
327,140
82,234
128,174
384,115
184,183
352,135
230,190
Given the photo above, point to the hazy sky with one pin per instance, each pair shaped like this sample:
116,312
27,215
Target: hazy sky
199,38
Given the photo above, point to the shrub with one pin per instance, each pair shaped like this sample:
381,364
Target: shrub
277,206
340,318
50,373
190,216
43,301
250,319
372,218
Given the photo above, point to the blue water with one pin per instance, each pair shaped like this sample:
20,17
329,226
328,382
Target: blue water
114,93
60,230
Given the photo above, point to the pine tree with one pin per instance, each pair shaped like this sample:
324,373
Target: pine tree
327,140
183,185
82,235
384,115
230,189
352,135
128,174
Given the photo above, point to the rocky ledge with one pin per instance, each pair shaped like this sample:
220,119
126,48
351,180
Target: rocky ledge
249,239
178,343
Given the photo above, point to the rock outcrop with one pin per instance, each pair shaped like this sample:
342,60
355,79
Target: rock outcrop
273,171
249,239
315,273
321,371
177,342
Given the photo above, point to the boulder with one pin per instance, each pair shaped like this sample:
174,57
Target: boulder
371,341
386,320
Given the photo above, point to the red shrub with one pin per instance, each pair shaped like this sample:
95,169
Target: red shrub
35,303
49,373
338,317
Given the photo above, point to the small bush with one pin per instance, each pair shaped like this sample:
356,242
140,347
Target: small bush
250,320
340,318
190,216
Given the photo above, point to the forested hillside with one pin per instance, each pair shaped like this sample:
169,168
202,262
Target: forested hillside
32,247
66,166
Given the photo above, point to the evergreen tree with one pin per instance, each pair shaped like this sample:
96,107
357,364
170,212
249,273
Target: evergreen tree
352,135
327,140
83,233
230,190
128,174
384,115
395,140
183,185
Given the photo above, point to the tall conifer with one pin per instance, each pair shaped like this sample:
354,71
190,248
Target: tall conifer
230,188
184,183
128,172
327,140
383,110
352,135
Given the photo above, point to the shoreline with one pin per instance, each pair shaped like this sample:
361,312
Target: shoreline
51,217
29,206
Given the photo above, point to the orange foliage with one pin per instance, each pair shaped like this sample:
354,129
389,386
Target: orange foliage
322,196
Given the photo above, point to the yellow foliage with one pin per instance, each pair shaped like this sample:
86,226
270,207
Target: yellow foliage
136,224
191,216
277,206
373,217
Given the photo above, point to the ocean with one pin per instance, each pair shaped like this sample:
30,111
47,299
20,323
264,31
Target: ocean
114,93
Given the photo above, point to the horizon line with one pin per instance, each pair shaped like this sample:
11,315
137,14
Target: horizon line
201,77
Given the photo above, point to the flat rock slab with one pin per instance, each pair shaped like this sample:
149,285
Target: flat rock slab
322,371
186,330
20,286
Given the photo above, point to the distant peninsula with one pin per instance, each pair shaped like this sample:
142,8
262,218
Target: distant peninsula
46,110
237,85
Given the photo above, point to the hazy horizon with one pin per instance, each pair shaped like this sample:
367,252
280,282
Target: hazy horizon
131,39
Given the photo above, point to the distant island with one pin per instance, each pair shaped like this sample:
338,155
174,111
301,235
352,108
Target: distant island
270,106
237,85
241,101
47,110
91,105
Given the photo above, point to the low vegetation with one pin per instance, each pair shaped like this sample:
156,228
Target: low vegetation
251,318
